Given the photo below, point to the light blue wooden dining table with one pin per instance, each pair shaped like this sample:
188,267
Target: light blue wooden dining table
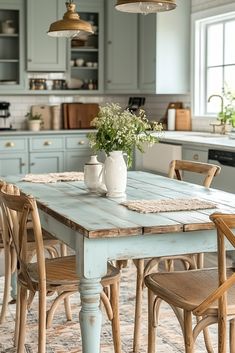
100,229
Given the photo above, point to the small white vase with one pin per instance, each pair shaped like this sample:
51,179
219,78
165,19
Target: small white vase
93,174
34,125
115,174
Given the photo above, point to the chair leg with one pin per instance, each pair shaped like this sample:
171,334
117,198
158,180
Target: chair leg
138,303
17,317
188,332
114,300
22,319
42,322
151,323
232,336
7,284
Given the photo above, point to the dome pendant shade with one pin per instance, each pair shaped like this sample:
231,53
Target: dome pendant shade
145,6
71,24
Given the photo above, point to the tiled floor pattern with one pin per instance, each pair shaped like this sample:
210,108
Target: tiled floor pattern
65,336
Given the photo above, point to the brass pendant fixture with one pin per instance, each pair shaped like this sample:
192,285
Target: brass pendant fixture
71,24
145,6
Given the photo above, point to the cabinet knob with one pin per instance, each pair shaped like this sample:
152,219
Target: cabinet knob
47,143
22,164
32,164
29,60
195,157
109,81
109,42
10,144
81,142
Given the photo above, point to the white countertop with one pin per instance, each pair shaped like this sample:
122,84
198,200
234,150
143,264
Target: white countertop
205,139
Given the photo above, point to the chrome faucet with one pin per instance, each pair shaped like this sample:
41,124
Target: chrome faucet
222,101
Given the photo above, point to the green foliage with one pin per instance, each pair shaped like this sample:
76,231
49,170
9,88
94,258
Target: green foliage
31,116
120,130
228,113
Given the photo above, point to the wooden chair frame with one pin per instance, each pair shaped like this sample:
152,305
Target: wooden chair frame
215,306
47,275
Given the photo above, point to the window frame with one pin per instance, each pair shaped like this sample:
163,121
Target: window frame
199,22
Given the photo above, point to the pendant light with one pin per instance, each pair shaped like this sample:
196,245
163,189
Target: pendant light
145,6
71,24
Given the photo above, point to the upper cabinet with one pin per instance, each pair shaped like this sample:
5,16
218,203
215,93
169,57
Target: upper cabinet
86,56
11,45
44,53
121,45
173,50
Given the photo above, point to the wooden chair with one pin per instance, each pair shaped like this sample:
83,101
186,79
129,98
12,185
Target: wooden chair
47,275
209,170
176,168
205,293
50,245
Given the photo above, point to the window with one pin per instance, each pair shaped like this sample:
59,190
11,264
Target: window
214,58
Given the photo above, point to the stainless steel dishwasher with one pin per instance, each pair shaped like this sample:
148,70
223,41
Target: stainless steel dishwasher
226,160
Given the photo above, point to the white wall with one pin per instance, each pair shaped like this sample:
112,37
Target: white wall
199,5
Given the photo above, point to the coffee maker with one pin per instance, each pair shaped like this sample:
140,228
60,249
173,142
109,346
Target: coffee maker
4,116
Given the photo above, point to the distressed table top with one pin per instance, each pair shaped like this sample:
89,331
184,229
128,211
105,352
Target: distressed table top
96,216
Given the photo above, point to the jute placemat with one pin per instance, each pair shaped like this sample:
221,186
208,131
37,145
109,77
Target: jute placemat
167,205
53,177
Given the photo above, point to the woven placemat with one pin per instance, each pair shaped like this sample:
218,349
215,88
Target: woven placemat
53,177
167,205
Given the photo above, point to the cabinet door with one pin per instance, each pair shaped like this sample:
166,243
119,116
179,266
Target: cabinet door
121,72
75,160
195,155
46,162
147,53
173,50
44,53
11,45
13,163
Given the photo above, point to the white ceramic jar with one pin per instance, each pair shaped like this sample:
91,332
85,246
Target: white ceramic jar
93,175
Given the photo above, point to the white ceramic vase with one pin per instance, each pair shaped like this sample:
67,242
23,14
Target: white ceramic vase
34,125
115,174
93,174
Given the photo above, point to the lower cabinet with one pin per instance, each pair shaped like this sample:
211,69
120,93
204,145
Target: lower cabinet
48,162
44,153
196,155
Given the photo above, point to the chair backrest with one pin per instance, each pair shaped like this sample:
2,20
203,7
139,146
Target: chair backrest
16,210
226,279
209,170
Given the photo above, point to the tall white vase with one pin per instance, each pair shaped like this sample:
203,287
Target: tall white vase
115,174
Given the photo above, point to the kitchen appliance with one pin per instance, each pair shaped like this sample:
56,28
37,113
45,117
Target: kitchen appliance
226,160
4,116
135,103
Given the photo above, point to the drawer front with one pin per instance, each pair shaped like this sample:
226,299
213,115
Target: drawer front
80,141
13,144
46,143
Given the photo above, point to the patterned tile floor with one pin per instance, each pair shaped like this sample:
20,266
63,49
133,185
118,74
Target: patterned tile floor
65,336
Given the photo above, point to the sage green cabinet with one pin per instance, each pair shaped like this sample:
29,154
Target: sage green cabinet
11,45
121,43
44,53
46,162
13,155
77,152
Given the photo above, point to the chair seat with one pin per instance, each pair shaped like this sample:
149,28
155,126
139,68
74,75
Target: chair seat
61,271
188,289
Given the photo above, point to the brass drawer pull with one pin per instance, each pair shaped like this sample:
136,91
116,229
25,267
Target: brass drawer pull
10,144
47,143
195,157
81,142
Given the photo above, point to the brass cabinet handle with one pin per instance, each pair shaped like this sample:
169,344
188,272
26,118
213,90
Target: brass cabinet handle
47,143
195,157
81,142
10,144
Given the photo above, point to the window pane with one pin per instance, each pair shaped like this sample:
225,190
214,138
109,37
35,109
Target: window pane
214,86
229,78
215,45
229,57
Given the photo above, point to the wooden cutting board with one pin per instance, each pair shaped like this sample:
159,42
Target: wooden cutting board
46,115
183,120
79,115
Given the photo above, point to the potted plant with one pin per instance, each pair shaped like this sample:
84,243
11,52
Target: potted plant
227,116
120,132
34,121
